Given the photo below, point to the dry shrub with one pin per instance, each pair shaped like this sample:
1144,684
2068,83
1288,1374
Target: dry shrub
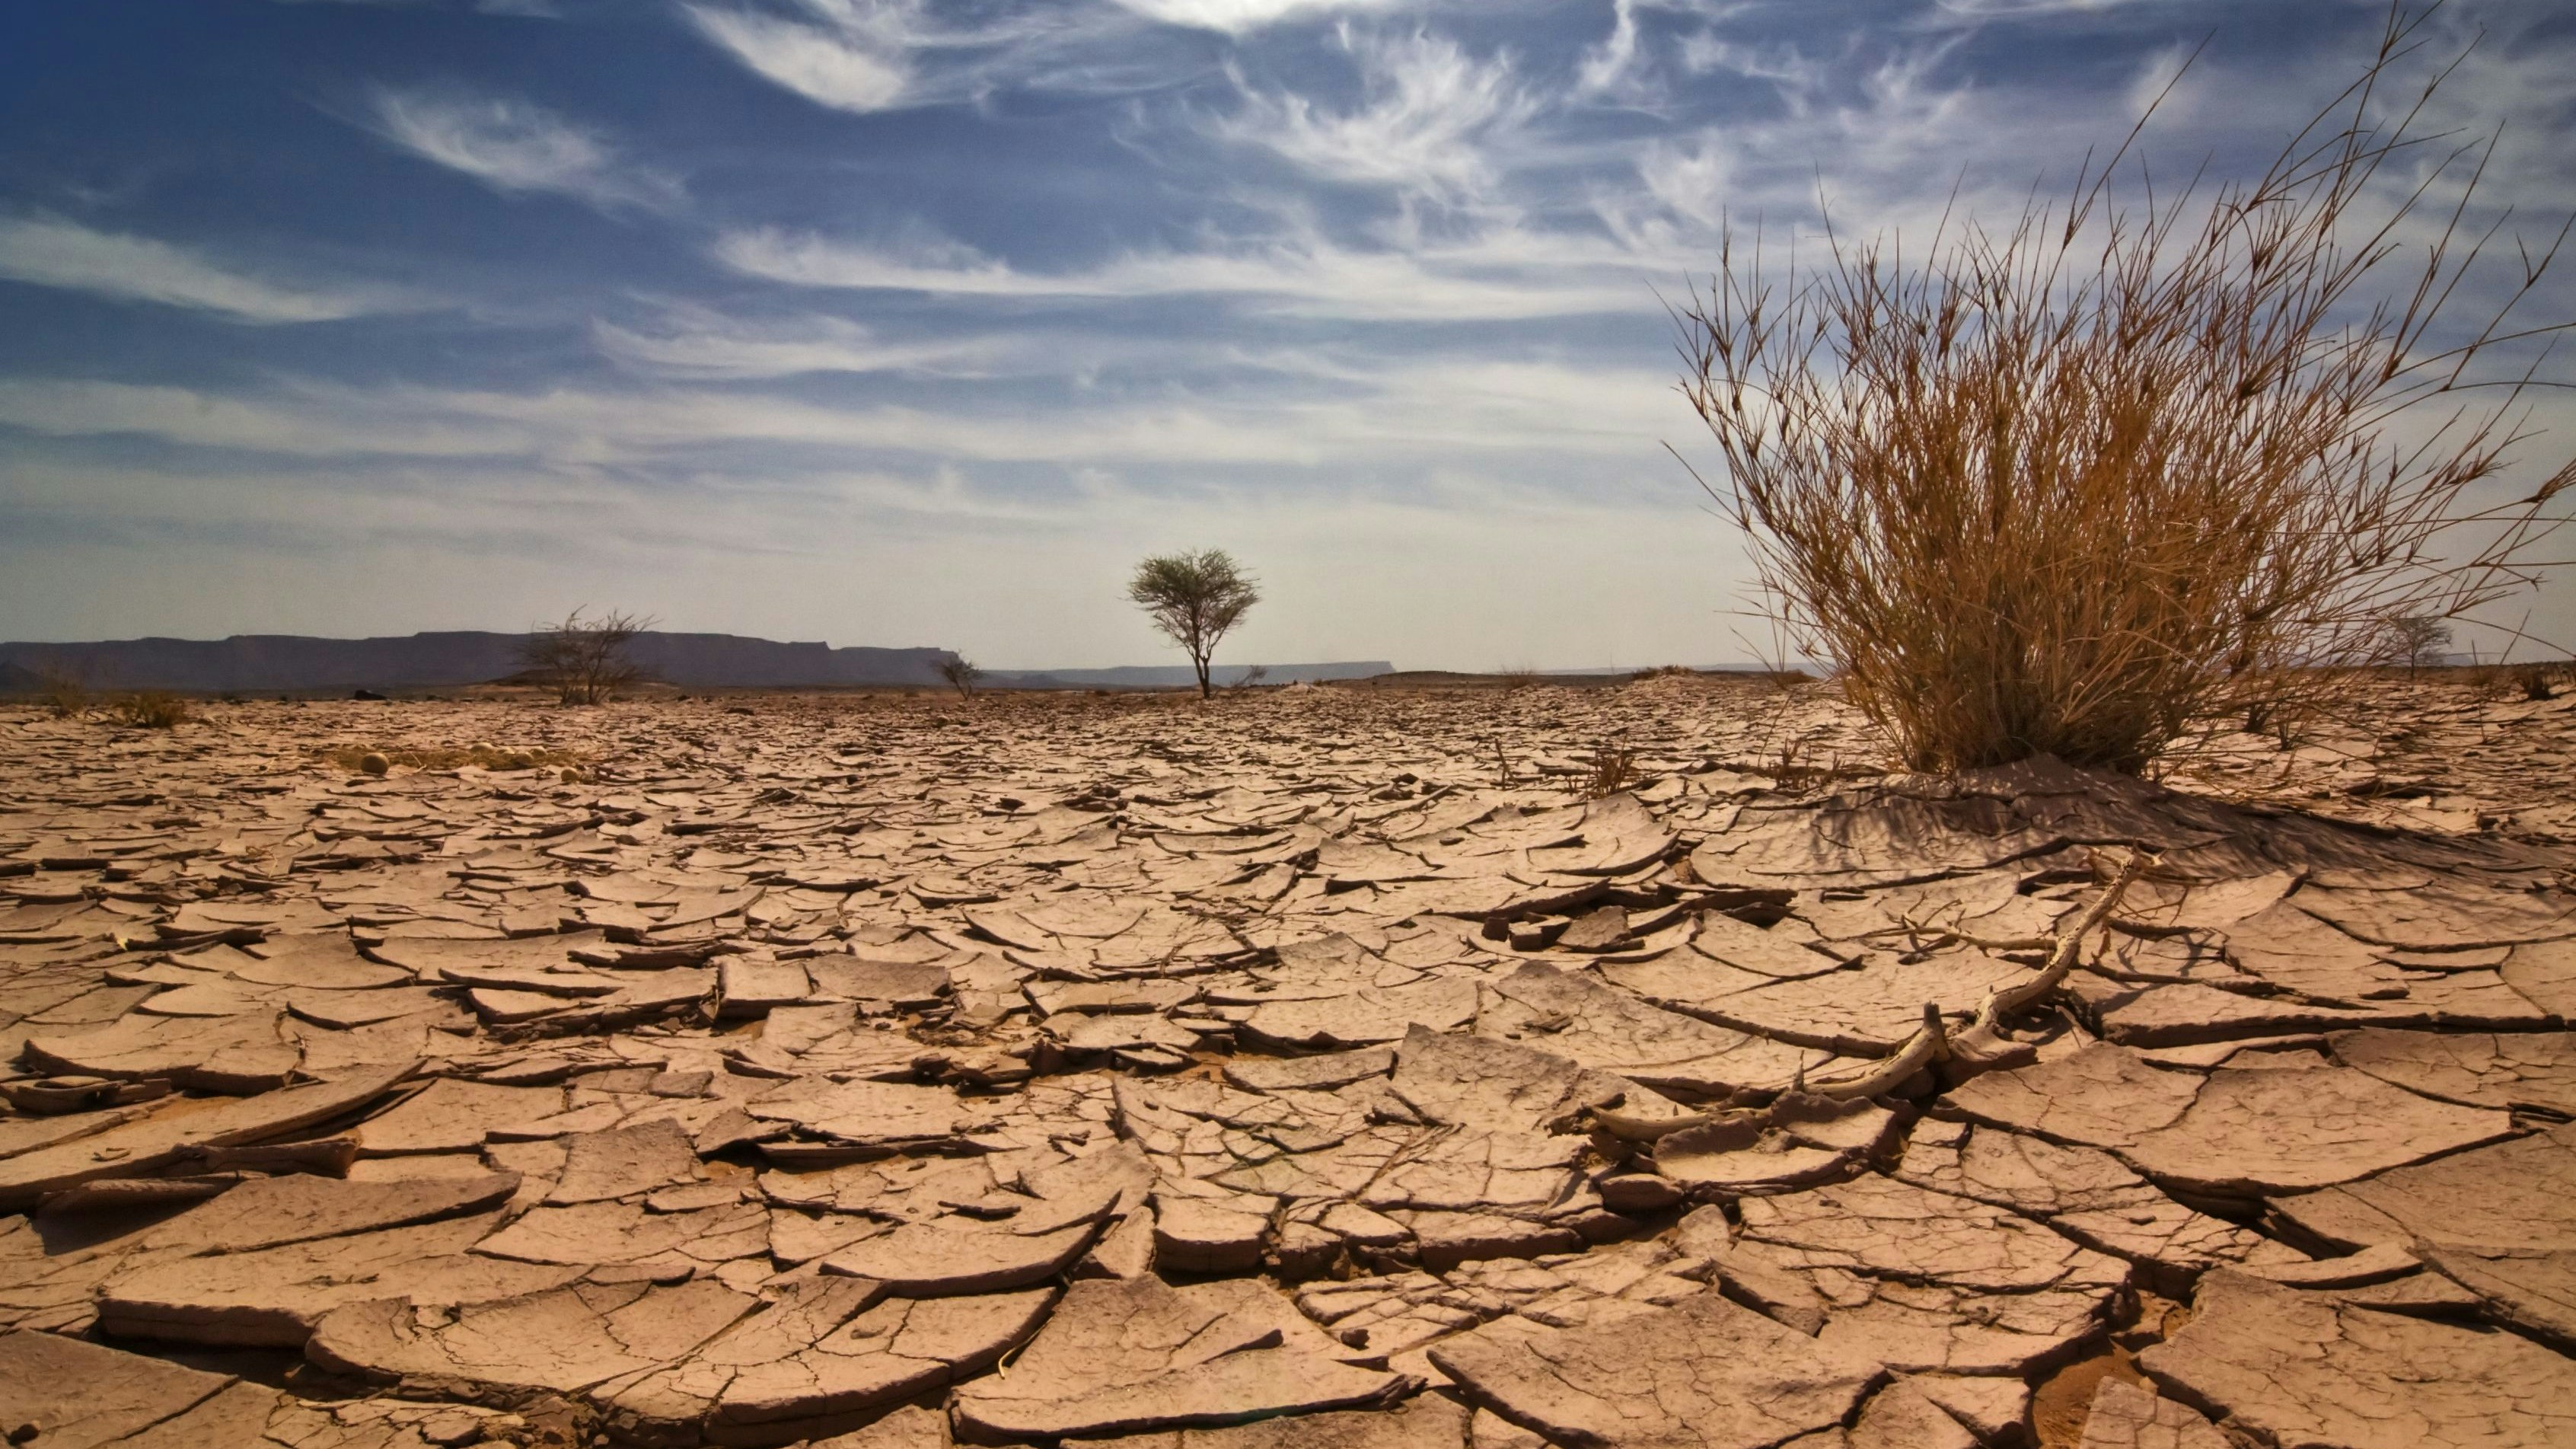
2535,683
1613,769
1664,671
150,709
2074,486
584,660
1517,677
961,674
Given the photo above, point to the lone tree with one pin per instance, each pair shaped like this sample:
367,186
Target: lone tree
584,660
961,674
2082,481
2419,639
1194,598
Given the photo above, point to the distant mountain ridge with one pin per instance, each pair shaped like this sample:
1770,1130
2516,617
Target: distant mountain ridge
448,659
1160,676
452,659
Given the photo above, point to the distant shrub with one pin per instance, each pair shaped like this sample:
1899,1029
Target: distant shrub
150,709
584,660
961,674
2082,484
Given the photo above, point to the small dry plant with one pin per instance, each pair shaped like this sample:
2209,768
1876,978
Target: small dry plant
584,659
149,709
1516,677
2083,484
1613,769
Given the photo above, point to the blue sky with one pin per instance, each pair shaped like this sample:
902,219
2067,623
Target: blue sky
916,323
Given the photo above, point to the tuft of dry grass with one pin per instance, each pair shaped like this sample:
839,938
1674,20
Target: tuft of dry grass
2083,484
1613,769
150,709
356,758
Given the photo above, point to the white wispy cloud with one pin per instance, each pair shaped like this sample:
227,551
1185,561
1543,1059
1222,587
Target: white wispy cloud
1427,113
52,252
1501,278
515,146
852,55
1320,409
1234,17
696,342
865,56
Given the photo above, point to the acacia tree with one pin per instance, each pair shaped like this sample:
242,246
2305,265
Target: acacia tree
1195,599
584,660
961,674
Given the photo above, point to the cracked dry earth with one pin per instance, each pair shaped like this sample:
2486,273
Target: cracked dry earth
1316,1068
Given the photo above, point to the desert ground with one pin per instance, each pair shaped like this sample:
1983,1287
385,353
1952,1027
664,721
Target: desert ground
1345,1067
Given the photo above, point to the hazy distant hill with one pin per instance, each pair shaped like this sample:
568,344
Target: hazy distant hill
418,661
1157,676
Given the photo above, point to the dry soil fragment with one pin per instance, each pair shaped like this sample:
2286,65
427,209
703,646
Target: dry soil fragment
624,1162
565,1340
2102,1096
138,1148
1318,1073
1704,1373
928,1260
2087,1194
2308,1368
450,1115
2506,1070
1608,1030
1126,1357
894,1116
2528,1288
1876,1226
274,1296
2125,1416
1499,1086
825,1352
271,1212
2519,1194
75,1395
2267,1130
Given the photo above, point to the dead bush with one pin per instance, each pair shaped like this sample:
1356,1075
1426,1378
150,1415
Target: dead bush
2078,485
1613,769
150,709
584,660
2536,683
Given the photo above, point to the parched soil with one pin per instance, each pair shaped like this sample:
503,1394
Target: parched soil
1349,1067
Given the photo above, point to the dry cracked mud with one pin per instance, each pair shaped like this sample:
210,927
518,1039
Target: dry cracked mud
1318,1067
